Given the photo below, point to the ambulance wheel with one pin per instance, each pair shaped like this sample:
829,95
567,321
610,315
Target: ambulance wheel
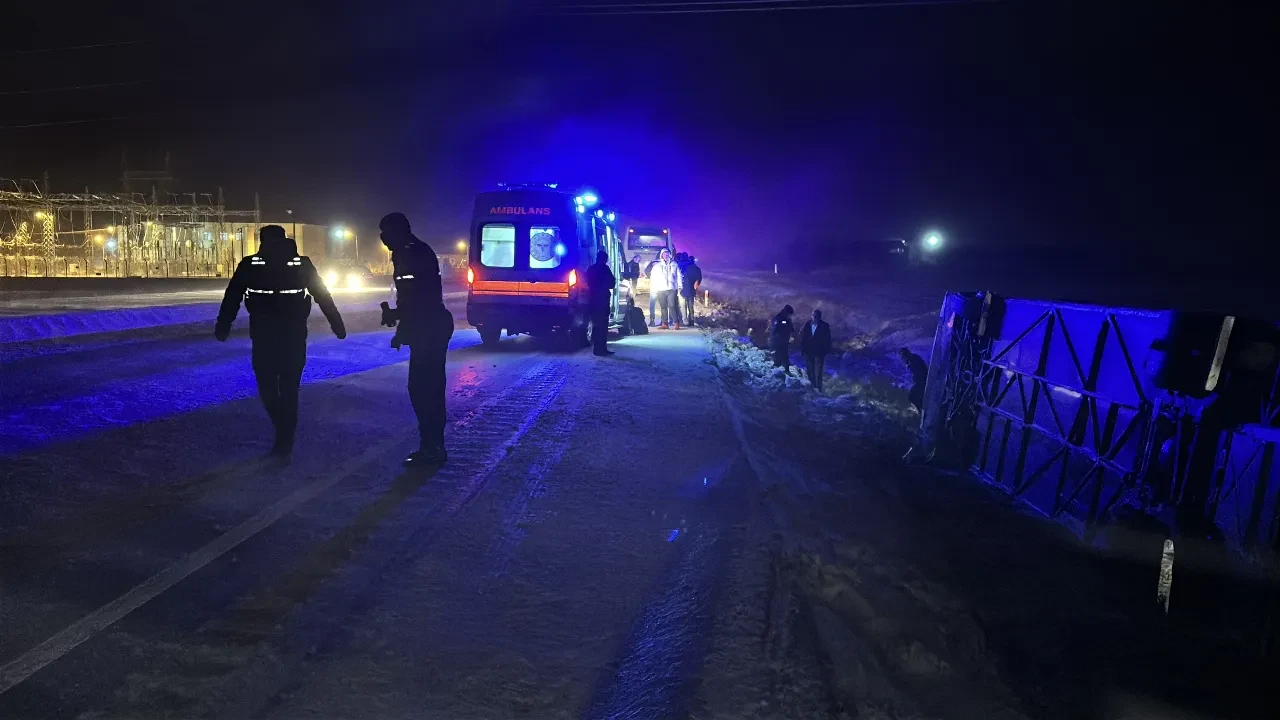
490,335
579,337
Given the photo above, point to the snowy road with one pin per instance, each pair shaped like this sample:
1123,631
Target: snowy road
638,537
563,564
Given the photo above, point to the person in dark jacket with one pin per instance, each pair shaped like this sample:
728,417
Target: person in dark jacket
600,283
815,343
919,370
276,285
424,324
691,279
632,272
780,337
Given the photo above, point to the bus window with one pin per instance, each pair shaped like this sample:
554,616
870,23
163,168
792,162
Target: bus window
498,245
545,248
646,242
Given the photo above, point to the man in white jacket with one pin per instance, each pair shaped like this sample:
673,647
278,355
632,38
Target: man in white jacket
664,284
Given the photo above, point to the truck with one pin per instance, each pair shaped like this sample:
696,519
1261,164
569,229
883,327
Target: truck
529,250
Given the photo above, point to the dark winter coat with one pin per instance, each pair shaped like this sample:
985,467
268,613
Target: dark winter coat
420,306
276,285
690,280
781,332
817,342
632,271
600,281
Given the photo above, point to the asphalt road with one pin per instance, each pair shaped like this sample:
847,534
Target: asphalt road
560,565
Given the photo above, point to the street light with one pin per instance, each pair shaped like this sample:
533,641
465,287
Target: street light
343,233
932,241
462,246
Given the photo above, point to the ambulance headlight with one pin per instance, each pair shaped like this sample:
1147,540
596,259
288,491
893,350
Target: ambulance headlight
331,278
354,281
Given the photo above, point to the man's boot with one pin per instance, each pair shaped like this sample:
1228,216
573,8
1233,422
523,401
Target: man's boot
426,457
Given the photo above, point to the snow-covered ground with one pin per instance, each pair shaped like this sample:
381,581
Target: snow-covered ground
675,531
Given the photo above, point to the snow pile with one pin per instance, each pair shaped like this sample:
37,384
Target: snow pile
735,353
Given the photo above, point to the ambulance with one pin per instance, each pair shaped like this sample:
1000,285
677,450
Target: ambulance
529,250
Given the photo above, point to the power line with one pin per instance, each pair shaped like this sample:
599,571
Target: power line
68,88
687,3
35,51
74,122
737,6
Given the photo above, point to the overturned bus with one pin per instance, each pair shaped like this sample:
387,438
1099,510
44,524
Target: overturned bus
529,251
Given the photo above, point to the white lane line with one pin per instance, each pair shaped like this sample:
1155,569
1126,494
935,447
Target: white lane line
31,662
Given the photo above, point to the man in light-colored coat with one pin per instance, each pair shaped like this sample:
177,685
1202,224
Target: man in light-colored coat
664,284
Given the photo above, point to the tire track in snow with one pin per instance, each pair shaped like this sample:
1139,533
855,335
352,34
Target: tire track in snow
480,444
554,443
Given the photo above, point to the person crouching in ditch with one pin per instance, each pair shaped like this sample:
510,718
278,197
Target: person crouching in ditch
815,343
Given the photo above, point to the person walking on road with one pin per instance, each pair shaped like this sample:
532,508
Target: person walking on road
424,324
815,343
691,279
600,284
276,285
664,282
780,338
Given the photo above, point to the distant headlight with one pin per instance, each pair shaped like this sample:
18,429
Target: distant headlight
354,281
331,278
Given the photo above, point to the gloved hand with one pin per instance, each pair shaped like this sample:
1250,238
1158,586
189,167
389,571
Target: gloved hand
221,333
389,317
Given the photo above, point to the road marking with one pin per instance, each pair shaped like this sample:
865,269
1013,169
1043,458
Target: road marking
31,662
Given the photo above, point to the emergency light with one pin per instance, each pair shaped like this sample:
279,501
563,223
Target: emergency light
573,278
471,276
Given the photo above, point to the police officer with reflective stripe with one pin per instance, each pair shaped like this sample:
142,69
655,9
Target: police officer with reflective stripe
277,285
424,324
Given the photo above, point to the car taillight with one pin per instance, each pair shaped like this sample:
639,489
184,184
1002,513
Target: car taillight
573,278
471,276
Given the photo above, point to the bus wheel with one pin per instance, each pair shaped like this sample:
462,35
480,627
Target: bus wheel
490,335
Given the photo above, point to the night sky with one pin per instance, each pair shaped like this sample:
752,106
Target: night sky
1005,123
